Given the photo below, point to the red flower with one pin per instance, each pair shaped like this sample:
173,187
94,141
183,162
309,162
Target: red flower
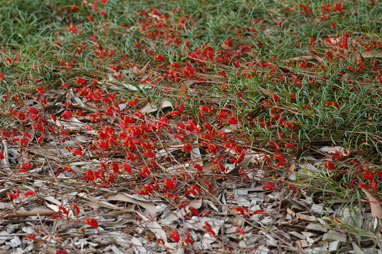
72,28
159,57
187,148
349,67
188,238
198,167
126,167
174,236
12,195
332,103
39,140
268,186
61,252
77,151
329,165
244,173
229,41
75,207
233,119
208,228
240,230
91,222
66,114
338,7
28,193
280,158
103,13
89,175
145,172
170,183
275,97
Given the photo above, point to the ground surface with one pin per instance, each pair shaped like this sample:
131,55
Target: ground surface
190,126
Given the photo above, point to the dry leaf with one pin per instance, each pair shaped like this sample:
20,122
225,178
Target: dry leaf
165,104
182,90
35,212
150,208
266,91
375,205
371,54
292,168
5,160
157,229
136,88
195,153
333,150
138,246
242,165
306,217
141,71
299,58
151,108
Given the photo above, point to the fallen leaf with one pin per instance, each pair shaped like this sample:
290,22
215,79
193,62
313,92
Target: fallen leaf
306,217
371,54
165,104
299,58
333,150
141,71
266,91
157,229
136,88
138,246
182,90
195,153
150,208
151,108
35,212
242,165
375,205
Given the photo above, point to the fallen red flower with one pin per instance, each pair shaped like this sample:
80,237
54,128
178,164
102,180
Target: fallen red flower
91,222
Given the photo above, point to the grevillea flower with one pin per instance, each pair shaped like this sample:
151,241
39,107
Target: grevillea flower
240,230
77,151
208,228
268,186
174,236
188,237
75,207
332,103
61,252
329,164
13,195
91,222
170,183
198,167
66,114
28,193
